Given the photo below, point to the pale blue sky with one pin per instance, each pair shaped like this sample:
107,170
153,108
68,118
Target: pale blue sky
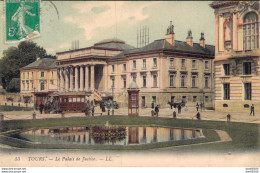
91,21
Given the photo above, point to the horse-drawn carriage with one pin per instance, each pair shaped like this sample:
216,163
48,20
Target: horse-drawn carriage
176,105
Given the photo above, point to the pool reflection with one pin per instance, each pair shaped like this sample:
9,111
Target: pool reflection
101,135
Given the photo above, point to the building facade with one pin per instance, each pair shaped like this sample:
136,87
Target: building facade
165,70
84,71
237,55
38,80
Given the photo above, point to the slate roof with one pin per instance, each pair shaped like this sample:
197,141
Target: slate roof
163,45
113,43
45,63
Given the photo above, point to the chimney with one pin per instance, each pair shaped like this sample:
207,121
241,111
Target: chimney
170,34
202,40
189,38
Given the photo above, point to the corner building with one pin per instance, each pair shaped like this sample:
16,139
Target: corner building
237,55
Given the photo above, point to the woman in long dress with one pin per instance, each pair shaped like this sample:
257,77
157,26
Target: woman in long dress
19,17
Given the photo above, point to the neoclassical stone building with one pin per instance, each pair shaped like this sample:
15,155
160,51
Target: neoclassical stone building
84,71
237,55
165,70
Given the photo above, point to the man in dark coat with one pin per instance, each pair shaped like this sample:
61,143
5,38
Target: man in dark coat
41,107
179,109
252,110
198,116
157,110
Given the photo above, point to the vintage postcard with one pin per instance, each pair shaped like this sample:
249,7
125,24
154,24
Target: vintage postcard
129,84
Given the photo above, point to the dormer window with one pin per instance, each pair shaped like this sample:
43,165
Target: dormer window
250,31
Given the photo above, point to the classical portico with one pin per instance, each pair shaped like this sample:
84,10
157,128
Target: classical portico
80,77
86,69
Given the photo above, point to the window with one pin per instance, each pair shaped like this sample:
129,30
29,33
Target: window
247,68
27,85
28,75
124,67
206,98
134,64
183,81
172,99
134,78
226,87
23,75
154,80
154,62
32,74
226,68
42,86
52,82
171,62
23,86
42,74
112,82
52,74
206,78
250,31
184,99
144,81
182,63
206,65
113,68
124,82
248,91
194,99
32,84
171,80
193,82
144,63
193,64
154,99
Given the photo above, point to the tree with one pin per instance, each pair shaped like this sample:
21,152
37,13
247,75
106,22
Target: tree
15,58
14,85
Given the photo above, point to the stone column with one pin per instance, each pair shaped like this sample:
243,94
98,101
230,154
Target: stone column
58,77
76,78
235,40
62,79
105,78
81,78
86,78
92,83
71,78
67,79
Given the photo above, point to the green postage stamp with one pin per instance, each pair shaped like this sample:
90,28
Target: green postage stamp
22,20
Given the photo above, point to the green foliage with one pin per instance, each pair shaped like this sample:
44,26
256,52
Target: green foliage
14,85
15,58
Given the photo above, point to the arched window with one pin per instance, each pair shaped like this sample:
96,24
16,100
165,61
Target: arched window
250,31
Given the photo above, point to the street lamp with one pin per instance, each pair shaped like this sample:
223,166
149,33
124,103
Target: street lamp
34,105
113,99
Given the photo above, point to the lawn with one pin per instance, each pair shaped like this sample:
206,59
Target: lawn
244,136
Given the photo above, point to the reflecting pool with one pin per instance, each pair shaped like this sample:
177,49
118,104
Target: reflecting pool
112,135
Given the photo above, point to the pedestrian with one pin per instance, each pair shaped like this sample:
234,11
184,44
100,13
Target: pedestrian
201,106
197,106
179,109
93,110
152,113
174,115
252,110
228,117
34,115
41,107
157,110
198,116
